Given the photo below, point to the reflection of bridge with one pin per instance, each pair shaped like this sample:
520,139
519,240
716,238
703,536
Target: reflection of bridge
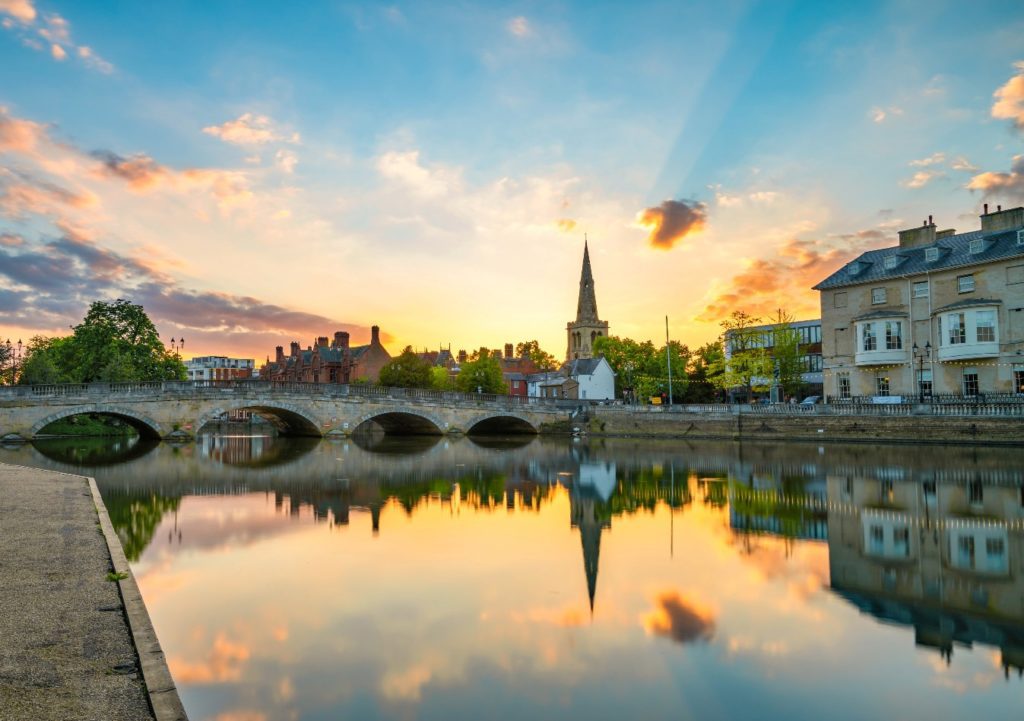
160,410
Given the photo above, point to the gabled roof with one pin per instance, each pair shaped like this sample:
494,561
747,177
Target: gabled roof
954,252
584,366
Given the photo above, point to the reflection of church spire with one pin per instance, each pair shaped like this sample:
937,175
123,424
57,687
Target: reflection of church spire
584,504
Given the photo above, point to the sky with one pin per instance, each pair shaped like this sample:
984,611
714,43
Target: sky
254,173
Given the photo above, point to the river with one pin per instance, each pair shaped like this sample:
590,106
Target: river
437,578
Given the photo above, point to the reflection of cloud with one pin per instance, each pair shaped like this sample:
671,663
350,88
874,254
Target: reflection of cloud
223,663
673,220
241,716
405,685
1009,99
679,619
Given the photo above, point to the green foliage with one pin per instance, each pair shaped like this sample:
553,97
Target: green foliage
88,424
787,355
540,357
115,342
119,576
135,519
482,374
406,371
441,379
749,365
706,364
641,370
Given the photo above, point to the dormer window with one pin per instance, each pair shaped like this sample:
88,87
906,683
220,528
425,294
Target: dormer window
1020,237
977,246
891,262
854,268
931,255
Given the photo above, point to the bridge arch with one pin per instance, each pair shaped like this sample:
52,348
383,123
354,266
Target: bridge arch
146,426
403,421
500,423
292,420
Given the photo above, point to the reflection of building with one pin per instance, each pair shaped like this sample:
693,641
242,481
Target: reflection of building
959,295
588,501
945,559
586,329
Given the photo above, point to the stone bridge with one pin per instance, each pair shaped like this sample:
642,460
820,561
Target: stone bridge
179,409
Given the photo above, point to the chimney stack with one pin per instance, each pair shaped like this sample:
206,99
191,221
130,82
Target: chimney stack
341,339
279,354
508,350
985,211
462,357
1003,219
375,335
321,341
295,349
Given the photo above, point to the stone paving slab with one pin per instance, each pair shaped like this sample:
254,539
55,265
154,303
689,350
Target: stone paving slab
66,650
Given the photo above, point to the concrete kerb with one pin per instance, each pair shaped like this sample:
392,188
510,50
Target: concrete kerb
163,694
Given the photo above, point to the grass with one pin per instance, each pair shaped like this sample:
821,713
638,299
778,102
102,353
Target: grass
118,576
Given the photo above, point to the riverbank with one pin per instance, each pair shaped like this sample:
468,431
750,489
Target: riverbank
809,426
70,616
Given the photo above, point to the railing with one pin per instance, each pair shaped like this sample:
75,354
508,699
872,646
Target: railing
96,391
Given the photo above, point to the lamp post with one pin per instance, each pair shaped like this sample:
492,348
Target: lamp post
921,354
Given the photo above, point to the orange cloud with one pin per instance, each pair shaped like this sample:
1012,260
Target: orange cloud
566,225
1009,99
673,220
786,280
21,194
1006,185
21,10
250,129
16,135
679,619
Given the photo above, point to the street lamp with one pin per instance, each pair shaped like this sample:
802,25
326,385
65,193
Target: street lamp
922,354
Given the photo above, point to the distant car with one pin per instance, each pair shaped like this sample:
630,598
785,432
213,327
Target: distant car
810,400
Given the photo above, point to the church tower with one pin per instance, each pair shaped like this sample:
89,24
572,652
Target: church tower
586,328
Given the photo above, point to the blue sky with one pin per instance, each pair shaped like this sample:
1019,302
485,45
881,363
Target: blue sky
258,172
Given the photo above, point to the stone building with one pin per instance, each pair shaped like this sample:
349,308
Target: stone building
940,313
329,362
587,327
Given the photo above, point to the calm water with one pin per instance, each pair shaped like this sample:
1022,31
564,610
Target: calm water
436,579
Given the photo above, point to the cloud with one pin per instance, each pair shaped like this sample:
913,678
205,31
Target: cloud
21,10
405,168
680,620
518,26
140,171
785,279
1009,99
286,160
251,129
16,135
962,163
672,221
57,52
879,115
933,159
22,194
566,225
922,177
94,61
1002,185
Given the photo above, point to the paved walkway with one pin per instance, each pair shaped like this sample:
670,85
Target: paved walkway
66,651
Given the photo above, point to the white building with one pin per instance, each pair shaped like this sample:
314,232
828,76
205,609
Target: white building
595,377
219,368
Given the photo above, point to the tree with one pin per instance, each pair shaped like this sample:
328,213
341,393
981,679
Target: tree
406,371
114,342
787,354
482,374
540,357
641,370
706,364
441,379
748,364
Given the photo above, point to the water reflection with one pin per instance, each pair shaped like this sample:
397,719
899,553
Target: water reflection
553,579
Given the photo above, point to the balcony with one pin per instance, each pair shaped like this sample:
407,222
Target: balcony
880,357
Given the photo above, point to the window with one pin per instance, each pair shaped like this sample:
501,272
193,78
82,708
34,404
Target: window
901,540
921,289
870,341
839,299
882,385
975,493
995,546
893,335
877,296
970,381
890,262
931,255
877,539
965,283
957,328
854,268
1020,237
924,382
1015,274
844,386
1018,379
976,246
985,326
965,546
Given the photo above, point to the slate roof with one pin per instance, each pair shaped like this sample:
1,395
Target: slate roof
954,252
968,303
583,366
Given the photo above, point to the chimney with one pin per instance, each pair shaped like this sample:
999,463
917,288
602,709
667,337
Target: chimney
985,211
508,350
279,354
321,341
462,357
295,349
341,340
917,237
1003,219
375,335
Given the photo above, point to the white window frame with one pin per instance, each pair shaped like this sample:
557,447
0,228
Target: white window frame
893,335
890,262
921,285
965,283
956,322
875,296
976,246
978,327
1020,237
970,371
931,255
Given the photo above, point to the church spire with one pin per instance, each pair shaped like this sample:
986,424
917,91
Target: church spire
586,307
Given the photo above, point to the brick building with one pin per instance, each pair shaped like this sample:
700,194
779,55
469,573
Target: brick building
326,361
